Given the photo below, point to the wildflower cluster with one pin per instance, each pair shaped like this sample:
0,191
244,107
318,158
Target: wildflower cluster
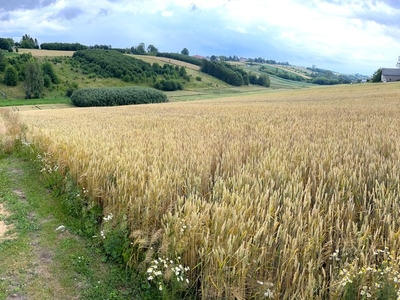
161,266
84,191
25,143
366,291
347,277
183,226
381,276
47,166
335,255
78,260
269,292
106,219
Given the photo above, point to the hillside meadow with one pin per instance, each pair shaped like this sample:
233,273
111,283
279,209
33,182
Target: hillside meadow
285,195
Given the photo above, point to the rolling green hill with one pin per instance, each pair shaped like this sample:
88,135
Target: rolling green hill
73,75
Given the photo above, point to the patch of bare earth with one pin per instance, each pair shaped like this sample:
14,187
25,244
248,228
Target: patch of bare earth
4,227
3,128
37,267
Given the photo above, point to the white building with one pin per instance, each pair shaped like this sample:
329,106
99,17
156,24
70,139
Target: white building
390,74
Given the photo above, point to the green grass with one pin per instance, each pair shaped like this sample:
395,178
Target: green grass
9,54
41,101
42,263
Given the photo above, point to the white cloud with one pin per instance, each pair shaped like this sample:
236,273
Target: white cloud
358,36
237,29
167,13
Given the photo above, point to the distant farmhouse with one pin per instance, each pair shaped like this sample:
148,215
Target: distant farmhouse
390,74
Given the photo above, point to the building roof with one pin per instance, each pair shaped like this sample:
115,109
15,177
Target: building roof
391,71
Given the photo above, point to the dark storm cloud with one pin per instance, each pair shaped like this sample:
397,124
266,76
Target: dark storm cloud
11,5
5,17
392,3
103,12
370,11
69,13
390,18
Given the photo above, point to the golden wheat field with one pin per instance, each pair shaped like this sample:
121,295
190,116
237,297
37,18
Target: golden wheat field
41,52
285,195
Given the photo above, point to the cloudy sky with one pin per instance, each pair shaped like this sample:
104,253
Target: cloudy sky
350,36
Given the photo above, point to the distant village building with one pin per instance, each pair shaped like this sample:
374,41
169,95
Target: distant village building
390,74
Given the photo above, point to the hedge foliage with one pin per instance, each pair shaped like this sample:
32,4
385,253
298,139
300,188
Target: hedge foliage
63,46
116,96
111,63
222,71
181,57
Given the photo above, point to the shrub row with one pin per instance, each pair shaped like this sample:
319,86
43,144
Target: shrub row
168,85
110,63
181,57
223,72
116,96
282,74
63,46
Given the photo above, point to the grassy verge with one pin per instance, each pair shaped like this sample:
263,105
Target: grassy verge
40,262
45,253
57,243
20,102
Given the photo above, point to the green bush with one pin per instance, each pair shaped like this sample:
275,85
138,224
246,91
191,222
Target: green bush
116,96
168,85
46,81
10,76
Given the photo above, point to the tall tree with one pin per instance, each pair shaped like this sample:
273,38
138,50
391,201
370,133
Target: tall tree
34,83
28,42
6,43
151,49
141,48
377,77
48,70
185,51
3,62
10,76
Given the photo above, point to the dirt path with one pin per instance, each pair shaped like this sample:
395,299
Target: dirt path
40,107
29,268
4,227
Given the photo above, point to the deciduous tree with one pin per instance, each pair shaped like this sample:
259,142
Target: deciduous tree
185,51
151,49
48,69
2,61
34,83
377,77
10,76
141,48
29,42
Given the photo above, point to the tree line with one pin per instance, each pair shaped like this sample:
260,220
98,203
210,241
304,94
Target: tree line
27,69
63,46
281,73
181,57
111,63
231,74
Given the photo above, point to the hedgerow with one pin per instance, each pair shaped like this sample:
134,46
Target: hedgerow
110,63
181,57
116,96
